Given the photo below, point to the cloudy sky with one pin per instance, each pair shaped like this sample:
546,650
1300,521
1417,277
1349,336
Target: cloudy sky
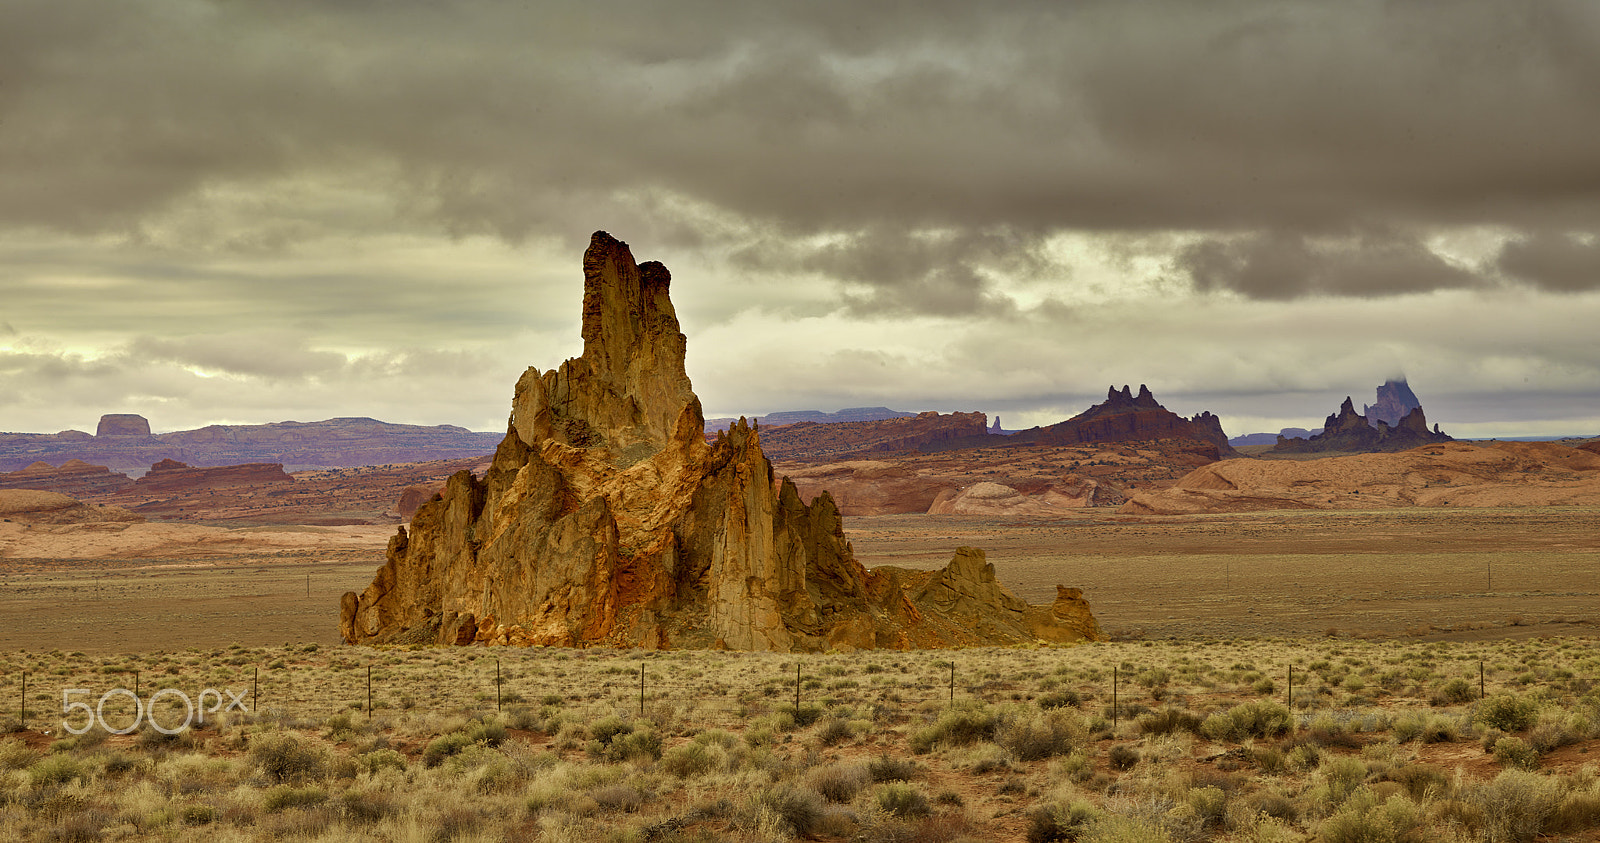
225,211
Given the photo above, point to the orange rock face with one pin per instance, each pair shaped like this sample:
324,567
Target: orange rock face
607,518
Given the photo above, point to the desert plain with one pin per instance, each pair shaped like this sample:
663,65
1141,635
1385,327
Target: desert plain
1413,573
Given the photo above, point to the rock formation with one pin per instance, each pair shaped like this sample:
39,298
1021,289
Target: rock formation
848,414
607,518
122,424
169,476
125,444
1350,432
74,477
924,431
1395,402
1453,474
31,506
1125,417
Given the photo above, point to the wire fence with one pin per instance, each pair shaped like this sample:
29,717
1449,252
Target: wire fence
172,691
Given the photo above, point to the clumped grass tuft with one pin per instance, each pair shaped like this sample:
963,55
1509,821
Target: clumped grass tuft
903,800
1254,719
288,757
1037,735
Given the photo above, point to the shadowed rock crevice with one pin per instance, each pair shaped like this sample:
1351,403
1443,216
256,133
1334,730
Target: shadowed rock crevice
607,518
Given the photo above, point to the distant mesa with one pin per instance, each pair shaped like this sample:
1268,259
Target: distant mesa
124,443
920,432
170,476
607,519
1258,439
849,414
1350,432
1126,417
122,424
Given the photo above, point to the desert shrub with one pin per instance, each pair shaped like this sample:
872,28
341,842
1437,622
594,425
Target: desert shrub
381,759
800,810
286,757
152,738
1326,731
286,796
1514,806
903,800
444,747
1059,699
197,813
692,759
1123,756
1553,733
56,769
15,755
1257,718
834,731
1169,720
886,769
618,798
1365,819
627,745
1512,751
1264,686
1208,805
1422,782
1115,828
1043,734
367,806
1057,822
1426,727
1455,692
1507,712
1578,810
1334,782
839,782
807,714
955,727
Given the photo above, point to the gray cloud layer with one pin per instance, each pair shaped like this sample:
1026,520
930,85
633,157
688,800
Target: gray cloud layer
205,158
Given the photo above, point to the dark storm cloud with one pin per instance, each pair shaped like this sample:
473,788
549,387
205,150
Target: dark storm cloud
934,272
812,116
1555,262
1279,265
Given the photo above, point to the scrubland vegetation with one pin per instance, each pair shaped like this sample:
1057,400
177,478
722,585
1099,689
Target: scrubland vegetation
1382,742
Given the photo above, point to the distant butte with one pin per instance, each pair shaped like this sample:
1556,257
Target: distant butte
1125,417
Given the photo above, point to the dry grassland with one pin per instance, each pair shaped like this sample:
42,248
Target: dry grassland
1389,737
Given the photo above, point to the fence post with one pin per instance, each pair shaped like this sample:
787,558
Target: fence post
641,689
1291,689
1113,698
24,700
255,688
1480,679
797,691
496,684
369,692
952,684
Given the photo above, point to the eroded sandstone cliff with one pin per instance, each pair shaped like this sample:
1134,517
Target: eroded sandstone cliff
608,518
